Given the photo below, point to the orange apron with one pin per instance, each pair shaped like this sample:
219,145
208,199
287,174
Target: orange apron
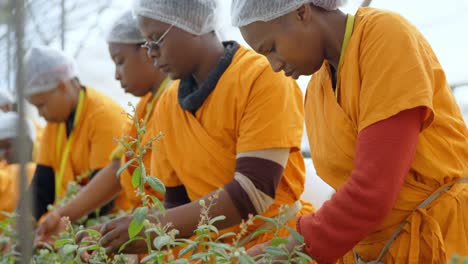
389,67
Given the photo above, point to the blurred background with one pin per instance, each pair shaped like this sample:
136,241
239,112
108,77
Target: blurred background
79,27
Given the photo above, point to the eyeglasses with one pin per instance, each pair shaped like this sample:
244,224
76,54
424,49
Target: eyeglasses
155,45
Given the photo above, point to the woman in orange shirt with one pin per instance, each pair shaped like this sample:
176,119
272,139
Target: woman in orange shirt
137,75
384,130
230,122
81,125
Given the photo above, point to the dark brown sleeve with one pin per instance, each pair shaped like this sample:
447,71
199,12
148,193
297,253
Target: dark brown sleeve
175,196
265,176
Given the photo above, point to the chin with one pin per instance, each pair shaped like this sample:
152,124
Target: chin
177,76
55,119
136,93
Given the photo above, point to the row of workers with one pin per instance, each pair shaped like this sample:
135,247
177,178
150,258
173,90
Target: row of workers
383,126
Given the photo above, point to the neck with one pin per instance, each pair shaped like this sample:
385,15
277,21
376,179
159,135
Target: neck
156,86
334,35
159,78
74,93
212,52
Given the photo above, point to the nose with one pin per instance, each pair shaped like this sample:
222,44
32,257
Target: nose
276,64
41,112
153,53
117,75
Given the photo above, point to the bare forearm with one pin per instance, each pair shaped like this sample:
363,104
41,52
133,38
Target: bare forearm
185,218
253,169
101,190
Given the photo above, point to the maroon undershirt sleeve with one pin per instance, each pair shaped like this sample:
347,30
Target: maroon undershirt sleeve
384,153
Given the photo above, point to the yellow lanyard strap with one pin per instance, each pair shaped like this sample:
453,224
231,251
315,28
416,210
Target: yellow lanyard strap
149,107
344,46
64,155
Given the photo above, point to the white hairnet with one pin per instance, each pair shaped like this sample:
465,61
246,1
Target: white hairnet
9,126
6,98
45,67
197,17
125,30
244,12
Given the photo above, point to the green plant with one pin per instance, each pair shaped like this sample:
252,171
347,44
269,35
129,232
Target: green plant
457,259
278,246
136,149
67,249
8,239
73,188
207,245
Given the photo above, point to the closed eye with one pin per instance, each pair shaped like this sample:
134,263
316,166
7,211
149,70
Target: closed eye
272,49
117,60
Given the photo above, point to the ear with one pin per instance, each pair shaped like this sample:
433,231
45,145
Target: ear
143,53
300,12
69,86
304,13
63,86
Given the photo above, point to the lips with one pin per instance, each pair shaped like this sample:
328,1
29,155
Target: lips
291,71
125,87
288,72
164,68
158,64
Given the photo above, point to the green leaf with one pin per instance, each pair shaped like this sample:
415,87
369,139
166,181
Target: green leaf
134,228
211,228
136,177
139,215
226,235
266,219
129,242
244,259
68,249
188,248
259,232
159,205
88,248
61,242
179,261
125,166
274,251
304,256
201,255
217,219
151,257
219,254
220,245
454,259
279,241
89,232
161,241
152,230
295,234
8,214
156,184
